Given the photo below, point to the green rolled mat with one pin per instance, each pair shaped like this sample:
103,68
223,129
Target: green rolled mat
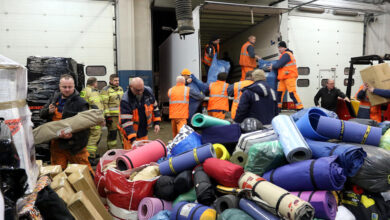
265,156
239,158
233,214
189,196
203,121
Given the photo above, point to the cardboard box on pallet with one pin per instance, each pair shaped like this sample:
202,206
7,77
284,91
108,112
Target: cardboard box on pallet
80,183
377,76
51,170
61,181
83,169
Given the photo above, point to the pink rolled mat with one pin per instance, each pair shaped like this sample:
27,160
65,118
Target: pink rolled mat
148,207
146,154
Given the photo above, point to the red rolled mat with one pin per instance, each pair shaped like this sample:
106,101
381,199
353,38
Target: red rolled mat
223,171
146,154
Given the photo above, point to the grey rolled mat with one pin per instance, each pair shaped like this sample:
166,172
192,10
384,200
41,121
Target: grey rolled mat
226,202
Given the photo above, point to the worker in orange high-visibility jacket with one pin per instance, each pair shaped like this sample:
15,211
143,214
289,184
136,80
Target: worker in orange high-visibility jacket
235,90
210,50
179,99
138,110
365,108
218,103
287,70
248,58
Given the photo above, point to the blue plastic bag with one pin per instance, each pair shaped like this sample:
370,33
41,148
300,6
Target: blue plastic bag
192,141
217,66
162,215
270,75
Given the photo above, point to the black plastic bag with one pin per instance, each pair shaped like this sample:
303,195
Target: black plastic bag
205,193
8,154
183,182
51,206
374,175
250,125
165,189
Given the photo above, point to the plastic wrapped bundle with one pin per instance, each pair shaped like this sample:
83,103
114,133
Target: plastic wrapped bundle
251,125
8,154
350,157
321,174
165,188
323,202
233,214
265,156
183,182
162,215
385,141
248,139
277,198
294,145
374,174
205,193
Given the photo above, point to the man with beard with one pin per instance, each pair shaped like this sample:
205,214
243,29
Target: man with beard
138,109
69,147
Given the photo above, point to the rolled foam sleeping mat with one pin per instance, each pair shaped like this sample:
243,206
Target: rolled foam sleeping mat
224,172
146,154
205,193
221,134
189,196
183,182
350,157
320,174
256,211
221,152
239,158
248,139
308,123
374,175
203,121
234,214
265,156
186,160
225,202
277,198
193,211
323,202
149,207
349,131
294,145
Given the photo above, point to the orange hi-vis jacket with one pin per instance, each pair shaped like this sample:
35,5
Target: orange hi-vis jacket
375,111
238,86
245,59
179,99
219,99
206,58
289,70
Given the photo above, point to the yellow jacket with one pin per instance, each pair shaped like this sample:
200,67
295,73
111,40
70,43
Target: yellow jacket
111,96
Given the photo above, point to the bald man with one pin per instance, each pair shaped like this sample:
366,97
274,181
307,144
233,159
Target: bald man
138,110
329,95
179,99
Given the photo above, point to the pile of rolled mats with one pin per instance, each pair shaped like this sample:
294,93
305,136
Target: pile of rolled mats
309,165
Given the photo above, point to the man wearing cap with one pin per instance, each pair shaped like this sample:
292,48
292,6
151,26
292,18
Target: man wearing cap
257,100
287,70
196,93
210,50
248,58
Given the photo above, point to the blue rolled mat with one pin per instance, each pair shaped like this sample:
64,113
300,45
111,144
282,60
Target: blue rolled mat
321,174
190,142
294,145
255,211
186,160
296,116
221,134
308,123
193,211
350,157
349,131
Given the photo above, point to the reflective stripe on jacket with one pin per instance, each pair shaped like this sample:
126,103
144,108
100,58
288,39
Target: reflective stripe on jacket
179,98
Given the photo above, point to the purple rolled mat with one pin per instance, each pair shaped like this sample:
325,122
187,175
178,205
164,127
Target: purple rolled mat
148,207
186,160
324,203
349,131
